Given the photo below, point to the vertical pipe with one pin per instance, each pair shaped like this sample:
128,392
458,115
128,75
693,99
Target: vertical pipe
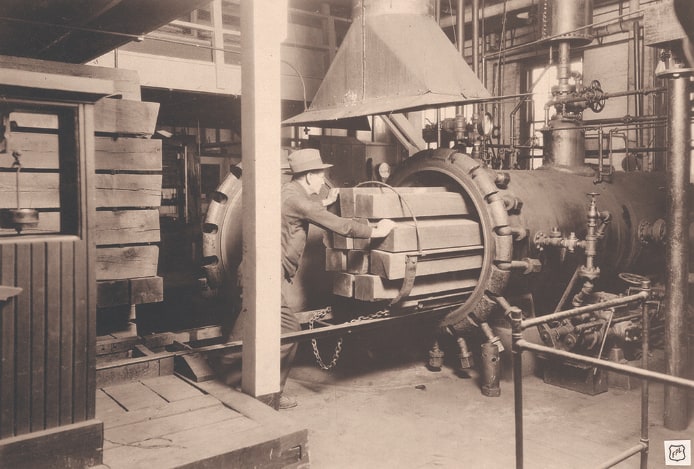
517,354
677,248
644,383
476,37
563,67
460,34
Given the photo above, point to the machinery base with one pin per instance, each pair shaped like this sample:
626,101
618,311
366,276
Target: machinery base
574,376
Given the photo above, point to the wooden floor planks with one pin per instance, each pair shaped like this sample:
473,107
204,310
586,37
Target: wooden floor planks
168,422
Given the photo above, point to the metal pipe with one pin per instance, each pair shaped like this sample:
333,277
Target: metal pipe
677,248
611,366
476,36
640,448
516,316
645,339
617,94
460,34
585,309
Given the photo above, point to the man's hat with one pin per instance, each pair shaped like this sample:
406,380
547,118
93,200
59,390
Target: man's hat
306,159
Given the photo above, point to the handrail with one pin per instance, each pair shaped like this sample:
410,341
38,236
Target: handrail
520,344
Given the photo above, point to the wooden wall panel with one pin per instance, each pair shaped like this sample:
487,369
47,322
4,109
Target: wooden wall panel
126,262
7,327
49,222
127,226
38,150
127,190
122,153
67,308
37,190
53,287
124,117
38,335
23,341
80,330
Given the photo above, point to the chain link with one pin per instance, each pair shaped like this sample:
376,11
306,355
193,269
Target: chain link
338,347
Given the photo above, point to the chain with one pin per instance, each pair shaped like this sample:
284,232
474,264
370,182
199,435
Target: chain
338,347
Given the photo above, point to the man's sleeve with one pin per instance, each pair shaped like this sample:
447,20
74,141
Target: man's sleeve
314,212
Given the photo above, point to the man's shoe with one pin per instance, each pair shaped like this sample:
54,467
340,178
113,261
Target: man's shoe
287,402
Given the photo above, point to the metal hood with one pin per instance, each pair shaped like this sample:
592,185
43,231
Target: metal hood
393,58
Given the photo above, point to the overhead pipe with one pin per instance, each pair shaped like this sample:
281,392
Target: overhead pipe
460,34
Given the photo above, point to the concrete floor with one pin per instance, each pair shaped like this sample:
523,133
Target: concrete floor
384,409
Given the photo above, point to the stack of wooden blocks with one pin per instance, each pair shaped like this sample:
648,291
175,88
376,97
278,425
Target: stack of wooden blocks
433,224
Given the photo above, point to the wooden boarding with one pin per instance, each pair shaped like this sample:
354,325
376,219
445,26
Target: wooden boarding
133,291
125,82
123,153
125,117
433,234
134,395
37,190
39,151
127,262
373,288
187,418
49,222
392,265
347,199
126,226
336,241
343,284
126,190
117,372
433,204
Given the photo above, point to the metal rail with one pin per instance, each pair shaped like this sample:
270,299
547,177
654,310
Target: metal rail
520,344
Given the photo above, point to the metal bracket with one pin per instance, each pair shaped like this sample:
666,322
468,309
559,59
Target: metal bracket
408,281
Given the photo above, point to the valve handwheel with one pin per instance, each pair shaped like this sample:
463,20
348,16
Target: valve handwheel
633,279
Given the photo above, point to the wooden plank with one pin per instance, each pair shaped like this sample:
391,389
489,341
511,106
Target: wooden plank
372,287
76,445
38,335
109,345
125,153
347,199
23,341
94,87
335,260
146,290
433,234
126,262
33,120
337,241
125,117
49,222
127,190
80,330
112,293
125,82
171,424
39,151
124,418
392,265
357,262
37,190
171,388
107,409
53,334
7,354
408,205
127,227
134,396
121,371
67,321
343,284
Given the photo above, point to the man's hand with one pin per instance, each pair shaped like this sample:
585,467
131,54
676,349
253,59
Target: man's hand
382,228
331,197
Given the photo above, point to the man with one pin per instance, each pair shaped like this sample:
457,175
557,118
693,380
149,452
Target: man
301,207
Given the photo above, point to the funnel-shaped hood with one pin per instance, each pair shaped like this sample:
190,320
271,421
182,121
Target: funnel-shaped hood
389,61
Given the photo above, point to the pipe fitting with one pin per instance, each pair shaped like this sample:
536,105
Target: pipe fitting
465,357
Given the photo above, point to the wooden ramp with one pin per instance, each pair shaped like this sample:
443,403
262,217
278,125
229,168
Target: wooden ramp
168,421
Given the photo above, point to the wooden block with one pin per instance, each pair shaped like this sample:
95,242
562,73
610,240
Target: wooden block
73,445
125,153
348,195
112,293
125,117
126,262
433,234
126,227
392,265
131,369
38,150
343,242
335,260
343,284
125,82
194,367
373,288
146,290
108,345
126,190
37,190
357,262
418,205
